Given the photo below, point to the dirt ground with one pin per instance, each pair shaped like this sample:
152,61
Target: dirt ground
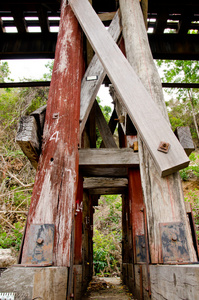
109,288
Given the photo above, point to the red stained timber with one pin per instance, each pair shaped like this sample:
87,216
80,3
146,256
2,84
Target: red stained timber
78,223
55,189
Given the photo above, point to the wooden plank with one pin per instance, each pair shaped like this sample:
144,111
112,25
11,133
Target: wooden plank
147,117
163,197
104,129
104,171
19,19
28,140
103,182
107,16
90,89
55,188
108,191
112,124
185,138
108,158
174,282
43,20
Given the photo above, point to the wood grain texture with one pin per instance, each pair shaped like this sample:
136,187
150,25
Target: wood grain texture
104,129
185,138
54,193
163,196
93,183
28,140
89,89
174,282
147,118
108,158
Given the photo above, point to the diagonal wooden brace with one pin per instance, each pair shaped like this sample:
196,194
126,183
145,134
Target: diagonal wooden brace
90,88
144,113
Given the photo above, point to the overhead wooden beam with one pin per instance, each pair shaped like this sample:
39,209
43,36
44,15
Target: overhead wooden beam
147,118
108,158
19,20
90,87
185,23
104,182
43,20
161,22
104,129
108,191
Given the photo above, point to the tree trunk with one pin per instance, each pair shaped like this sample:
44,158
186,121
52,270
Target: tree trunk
54,193
163,196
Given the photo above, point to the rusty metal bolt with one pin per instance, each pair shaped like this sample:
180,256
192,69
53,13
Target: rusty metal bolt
40,241
174,237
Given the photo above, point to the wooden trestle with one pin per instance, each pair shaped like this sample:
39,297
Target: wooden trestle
156,235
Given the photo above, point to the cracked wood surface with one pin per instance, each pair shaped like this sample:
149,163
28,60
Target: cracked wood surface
55,188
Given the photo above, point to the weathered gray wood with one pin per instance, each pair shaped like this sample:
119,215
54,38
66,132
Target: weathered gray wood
89,89
28,140
108,191
108,158
163,196
104,129
185,138
145,115
103,182
174,282
106,16
94,171
112,124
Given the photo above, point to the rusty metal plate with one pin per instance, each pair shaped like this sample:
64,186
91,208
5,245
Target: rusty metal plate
164,147
174,242
40,245
140,248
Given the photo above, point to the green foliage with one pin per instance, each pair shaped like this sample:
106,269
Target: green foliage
12,239
107,235
184,103
191,170
4,71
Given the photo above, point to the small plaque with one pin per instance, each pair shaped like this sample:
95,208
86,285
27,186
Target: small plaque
174,242
40,245
7,296
91,78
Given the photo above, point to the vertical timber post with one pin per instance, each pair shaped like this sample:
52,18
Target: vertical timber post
54,193
163,196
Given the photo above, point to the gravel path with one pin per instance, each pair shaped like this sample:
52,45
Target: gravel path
109,288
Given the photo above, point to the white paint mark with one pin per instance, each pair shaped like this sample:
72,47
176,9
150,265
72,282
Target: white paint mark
55,136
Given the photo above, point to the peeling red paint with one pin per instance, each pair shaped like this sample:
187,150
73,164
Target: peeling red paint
55,189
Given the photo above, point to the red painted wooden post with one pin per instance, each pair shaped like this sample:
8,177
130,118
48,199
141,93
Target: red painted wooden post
54,194
78,223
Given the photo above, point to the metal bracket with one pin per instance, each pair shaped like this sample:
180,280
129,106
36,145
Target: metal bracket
40,245
174,242
140,248
164,147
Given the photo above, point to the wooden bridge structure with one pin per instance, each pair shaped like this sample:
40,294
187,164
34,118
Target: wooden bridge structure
159,245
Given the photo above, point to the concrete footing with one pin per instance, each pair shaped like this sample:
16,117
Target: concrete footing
49,283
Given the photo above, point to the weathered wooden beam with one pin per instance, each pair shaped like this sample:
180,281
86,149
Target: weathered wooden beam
108,158
104,182
55,189
19,20
43,20
161,22
108,191
90,88
118,172
147,118
163,197
171,282
112,124
104,129
185,138
107,16
28,140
